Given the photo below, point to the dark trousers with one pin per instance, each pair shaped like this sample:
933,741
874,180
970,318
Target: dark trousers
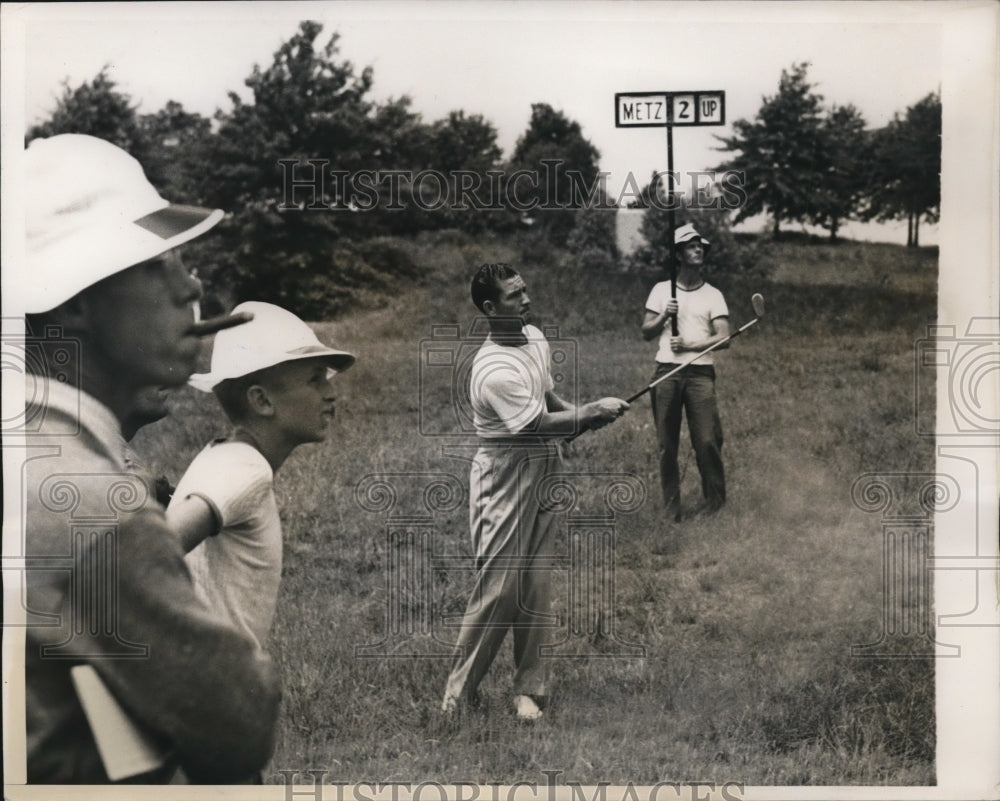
692,390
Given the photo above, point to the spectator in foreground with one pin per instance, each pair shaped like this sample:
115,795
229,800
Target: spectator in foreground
272,379
111,309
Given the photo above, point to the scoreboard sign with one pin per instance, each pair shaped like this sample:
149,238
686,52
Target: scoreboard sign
662,109
667,110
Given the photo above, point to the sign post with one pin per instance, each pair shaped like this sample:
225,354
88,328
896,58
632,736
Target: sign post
665,110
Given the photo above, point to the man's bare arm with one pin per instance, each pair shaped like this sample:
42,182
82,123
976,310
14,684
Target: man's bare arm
554,403
654,322
572,419
193,520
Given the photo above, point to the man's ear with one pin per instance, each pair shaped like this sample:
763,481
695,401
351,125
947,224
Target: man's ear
489,308
259,401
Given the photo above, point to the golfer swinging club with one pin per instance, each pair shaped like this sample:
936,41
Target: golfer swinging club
702,321
517,417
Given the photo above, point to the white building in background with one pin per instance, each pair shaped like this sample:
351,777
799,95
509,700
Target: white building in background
627,234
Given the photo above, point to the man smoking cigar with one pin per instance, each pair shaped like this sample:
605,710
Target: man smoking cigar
108,286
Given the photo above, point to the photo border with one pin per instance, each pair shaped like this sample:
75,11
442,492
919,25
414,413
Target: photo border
968,691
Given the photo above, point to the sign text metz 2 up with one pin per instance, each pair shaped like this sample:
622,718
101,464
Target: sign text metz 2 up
661,109
665,110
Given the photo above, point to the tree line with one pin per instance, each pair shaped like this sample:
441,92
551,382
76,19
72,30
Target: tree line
309,104
311,110
806,163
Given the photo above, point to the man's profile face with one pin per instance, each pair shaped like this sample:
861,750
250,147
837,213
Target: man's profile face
303,399
140,323
513,300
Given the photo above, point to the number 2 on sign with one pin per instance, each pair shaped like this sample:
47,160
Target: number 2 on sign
683,107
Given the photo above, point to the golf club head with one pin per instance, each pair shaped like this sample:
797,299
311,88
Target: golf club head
757,300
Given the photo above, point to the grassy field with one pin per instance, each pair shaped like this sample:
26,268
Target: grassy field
745,624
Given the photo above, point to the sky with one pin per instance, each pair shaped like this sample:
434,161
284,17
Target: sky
496,59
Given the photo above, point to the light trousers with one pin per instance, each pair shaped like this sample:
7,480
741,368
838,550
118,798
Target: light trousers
512,537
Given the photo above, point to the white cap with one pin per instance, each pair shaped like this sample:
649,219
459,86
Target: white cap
273,336
90,213
686,233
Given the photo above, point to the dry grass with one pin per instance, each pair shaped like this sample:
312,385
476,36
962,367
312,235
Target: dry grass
747,622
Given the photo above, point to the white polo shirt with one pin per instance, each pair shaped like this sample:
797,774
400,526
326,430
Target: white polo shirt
507,385
237,571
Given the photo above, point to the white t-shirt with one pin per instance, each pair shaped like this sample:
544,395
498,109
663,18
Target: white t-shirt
239,569
696,309
507,385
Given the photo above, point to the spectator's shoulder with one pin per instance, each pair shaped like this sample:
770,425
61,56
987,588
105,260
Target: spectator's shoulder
80,479
533,332
228,475
225,455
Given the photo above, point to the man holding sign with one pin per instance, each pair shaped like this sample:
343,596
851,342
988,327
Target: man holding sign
702,321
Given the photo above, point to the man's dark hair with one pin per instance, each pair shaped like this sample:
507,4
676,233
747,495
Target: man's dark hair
232,392
486,282
232,396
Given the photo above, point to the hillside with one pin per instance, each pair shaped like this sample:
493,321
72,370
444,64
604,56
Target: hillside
727,658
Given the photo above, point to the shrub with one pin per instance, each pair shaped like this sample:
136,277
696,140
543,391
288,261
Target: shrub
594,259
592,240
389,257
534,249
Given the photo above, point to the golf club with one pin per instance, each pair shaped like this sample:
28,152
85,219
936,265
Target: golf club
757,300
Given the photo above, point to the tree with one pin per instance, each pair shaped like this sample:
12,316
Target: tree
593,241
99,109
905,176
464,149
398,141
460,142
565,166
175,142
306,105
294,244
653,193
779,151
162,142
311,246
843,165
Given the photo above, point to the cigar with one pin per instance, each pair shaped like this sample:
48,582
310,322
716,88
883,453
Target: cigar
204,328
